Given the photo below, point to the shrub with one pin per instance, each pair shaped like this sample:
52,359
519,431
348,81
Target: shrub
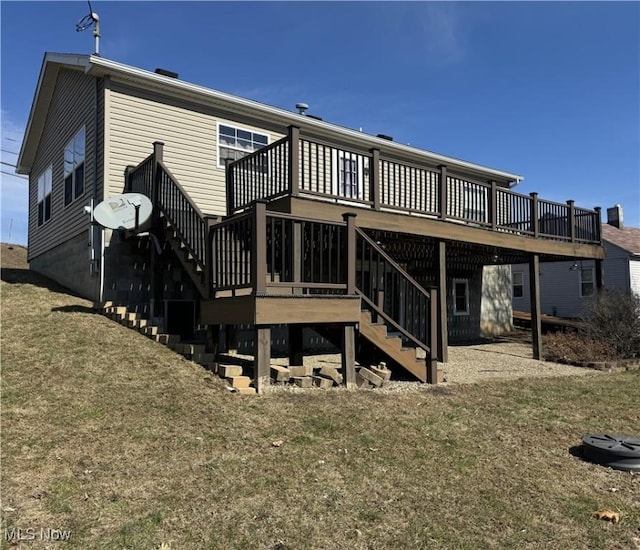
576,347
613,317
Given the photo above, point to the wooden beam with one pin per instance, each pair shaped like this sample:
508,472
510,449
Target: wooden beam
272,310
534,290
443,336
348,356
262,358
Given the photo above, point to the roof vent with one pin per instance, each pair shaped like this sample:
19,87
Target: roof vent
385,136
302,108
165,72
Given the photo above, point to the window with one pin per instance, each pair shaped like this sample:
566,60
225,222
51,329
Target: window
475,203
460,297
74,168
44,196
235,143
349,173
587,279
517,283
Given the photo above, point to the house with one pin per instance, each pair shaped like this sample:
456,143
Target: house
564,286
268,218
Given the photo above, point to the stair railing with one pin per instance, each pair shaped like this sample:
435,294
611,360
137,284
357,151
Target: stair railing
394,296
153,179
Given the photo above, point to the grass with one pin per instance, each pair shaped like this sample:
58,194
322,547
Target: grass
119,440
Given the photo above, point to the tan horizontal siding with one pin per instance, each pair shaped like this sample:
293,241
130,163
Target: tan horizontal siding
189,133
73,105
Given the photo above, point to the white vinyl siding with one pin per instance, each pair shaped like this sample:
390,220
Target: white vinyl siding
189,132
73,106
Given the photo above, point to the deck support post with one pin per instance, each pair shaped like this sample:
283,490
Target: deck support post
228,173
348,356
296,356
350,219
259,248
572,220
493,205
443,192
213,340
535,222
443,338
262,358
374,175
293,132
534,291
211,221
155,279
432,360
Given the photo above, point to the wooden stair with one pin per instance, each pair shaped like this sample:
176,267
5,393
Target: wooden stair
186,258
391,346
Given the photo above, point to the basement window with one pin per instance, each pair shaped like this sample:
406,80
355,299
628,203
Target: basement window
461,297
74,168
44,196
235,143
587,279
517,283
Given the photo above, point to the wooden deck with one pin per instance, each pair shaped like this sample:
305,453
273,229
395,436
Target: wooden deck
549,322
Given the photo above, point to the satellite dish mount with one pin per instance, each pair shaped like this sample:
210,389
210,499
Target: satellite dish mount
86,22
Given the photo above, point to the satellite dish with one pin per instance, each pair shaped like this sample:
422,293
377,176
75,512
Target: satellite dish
129,211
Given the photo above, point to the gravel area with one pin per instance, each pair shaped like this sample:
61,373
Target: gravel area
472,364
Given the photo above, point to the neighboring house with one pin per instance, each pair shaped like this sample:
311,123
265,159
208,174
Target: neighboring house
564,286
265,217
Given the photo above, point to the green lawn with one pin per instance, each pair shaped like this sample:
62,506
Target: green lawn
126,445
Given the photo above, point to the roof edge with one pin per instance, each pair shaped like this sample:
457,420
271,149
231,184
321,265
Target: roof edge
23,165
101,65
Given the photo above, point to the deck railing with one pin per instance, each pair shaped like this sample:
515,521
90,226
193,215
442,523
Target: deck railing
153,179
301,166
393,296
257,250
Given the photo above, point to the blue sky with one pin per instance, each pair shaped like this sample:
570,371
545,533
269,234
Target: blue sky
548,90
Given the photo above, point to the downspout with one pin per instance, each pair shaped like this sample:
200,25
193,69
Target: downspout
100,231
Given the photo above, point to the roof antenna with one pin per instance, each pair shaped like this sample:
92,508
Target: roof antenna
86,22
